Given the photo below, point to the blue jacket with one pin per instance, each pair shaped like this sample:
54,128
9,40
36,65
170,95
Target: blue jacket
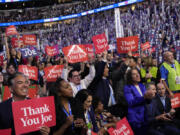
136,105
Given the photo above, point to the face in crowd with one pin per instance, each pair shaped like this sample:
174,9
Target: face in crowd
87,102
152,87
168,57
106,71
20,85
11,70
76,78
1,78
161,89
65,89
135,76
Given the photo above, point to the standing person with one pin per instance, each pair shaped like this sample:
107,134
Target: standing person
69,120
136,96
170,73
19,85
75,79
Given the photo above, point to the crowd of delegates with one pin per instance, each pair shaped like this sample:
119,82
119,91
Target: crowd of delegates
147,20
96,94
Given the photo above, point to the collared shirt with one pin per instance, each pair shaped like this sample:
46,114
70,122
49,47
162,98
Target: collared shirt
139,90
163,101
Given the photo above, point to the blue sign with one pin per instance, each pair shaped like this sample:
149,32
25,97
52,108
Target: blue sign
30,51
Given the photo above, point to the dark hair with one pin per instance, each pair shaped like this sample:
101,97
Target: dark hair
11,64
95,102
71,73
55,88
11,78
82,95
129,79
147,85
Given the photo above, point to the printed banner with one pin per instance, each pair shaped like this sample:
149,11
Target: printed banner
175,102
29,40
30,71
52,50
75,53
5,131
126,44
100,43
30,115
17,43
11,30
32,92
90,50
145,46
28,52
122,128
53,72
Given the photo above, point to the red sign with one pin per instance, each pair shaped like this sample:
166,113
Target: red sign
30,71
136,55
53,72
126,44
6,93
175,102
90,50
11,30
16,43
122,128
5,131
75,53
1,60
30,115
100,43
29,39
145,46
92,133
52,50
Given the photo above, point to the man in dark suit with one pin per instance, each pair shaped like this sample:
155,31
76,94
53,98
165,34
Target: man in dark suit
160,114
19,85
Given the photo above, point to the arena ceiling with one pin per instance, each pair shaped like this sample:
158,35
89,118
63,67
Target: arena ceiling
33,3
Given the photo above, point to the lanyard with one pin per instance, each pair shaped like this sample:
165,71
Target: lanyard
65,111
68,114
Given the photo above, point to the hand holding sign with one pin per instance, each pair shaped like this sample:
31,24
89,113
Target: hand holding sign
29,115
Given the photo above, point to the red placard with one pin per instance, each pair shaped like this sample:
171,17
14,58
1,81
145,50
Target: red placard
11,30
30,115
29,40
145,46
90,50
1,60
52,50
16,43
30,71
136,54
100,43
175,102
122,128
5,131
126,44
75,53
92,133
6,93
53,72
